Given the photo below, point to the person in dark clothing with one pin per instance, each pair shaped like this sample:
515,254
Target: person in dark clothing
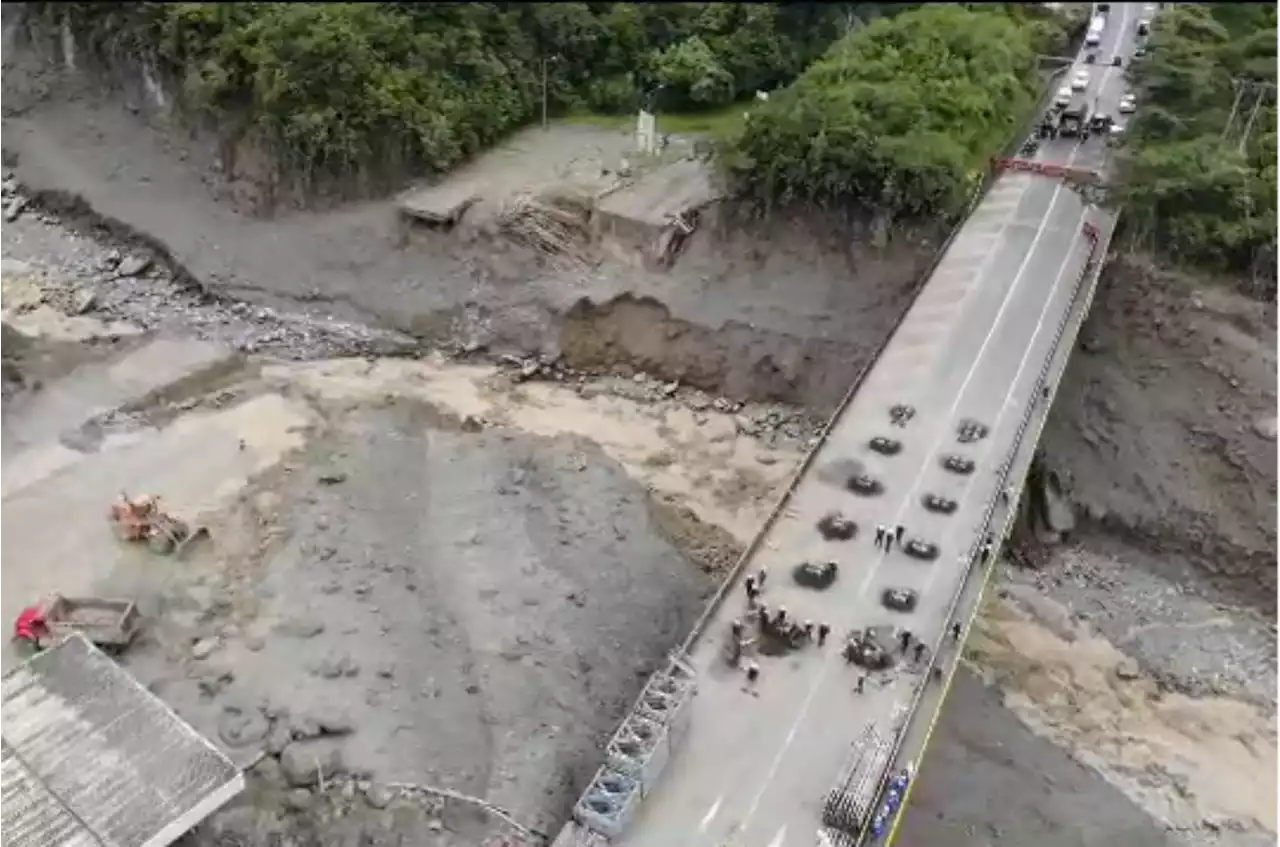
880,535
760,577
752,591
956,629
823,632
920,647
753,672
904,638
937,674
861,684
898,532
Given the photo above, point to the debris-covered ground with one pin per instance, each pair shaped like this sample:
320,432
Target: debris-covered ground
448,575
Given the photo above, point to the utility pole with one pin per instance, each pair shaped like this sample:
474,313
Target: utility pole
1253,116
1239,85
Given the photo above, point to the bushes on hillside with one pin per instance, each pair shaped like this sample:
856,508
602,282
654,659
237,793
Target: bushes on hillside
337,85
1194,187
899,115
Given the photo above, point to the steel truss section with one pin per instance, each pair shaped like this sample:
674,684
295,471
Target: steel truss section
638,752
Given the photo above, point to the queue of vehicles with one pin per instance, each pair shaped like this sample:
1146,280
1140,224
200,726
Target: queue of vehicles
1073,114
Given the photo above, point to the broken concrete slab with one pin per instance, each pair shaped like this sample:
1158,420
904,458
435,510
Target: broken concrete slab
439,204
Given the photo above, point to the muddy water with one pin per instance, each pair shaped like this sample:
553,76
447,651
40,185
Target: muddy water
1185,761
696,457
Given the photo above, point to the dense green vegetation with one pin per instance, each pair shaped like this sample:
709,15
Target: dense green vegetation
1195,188
337,85
900,115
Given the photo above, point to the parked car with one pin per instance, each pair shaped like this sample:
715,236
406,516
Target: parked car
1128,104
940,504
864,484
836,527
920,549
971,430
1080,81
817,575
1063,98
899,599
886,446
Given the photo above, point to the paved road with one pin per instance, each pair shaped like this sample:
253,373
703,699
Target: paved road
1108,85
760,759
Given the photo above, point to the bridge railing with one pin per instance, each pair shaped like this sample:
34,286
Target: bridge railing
619,808
1090,274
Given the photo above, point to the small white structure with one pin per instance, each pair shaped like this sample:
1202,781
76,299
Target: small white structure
646,132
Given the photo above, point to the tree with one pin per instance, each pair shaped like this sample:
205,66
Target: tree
692,74
896,117
1192,181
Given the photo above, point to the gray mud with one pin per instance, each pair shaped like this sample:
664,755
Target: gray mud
779,312
990,781
444,606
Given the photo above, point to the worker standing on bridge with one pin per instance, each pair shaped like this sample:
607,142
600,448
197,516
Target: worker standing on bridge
823,631
956,629
880,535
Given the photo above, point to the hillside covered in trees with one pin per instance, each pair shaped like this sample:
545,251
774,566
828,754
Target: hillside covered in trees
900,115
1199,167
892,107
337,85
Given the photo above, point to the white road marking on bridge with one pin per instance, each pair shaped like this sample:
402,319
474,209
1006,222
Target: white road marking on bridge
711,814
1008,402
945,432
777,839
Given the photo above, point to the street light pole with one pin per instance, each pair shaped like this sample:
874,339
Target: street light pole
544,94
544,62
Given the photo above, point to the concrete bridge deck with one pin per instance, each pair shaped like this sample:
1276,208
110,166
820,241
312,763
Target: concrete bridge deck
757,761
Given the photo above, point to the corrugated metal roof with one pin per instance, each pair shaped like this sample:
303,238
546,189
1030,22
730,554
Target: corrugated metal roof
93,759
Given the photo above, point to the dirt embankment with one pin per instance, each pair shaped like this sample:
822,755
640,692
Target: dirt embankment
777,310
1165,426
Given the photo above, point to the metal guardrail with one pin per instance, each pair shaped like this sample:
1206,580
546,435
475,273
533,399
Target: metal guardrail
1091,271
975,200
607,811
727,585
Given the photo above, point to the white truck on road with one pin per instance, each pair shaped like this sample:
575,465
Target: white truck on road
1094,36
